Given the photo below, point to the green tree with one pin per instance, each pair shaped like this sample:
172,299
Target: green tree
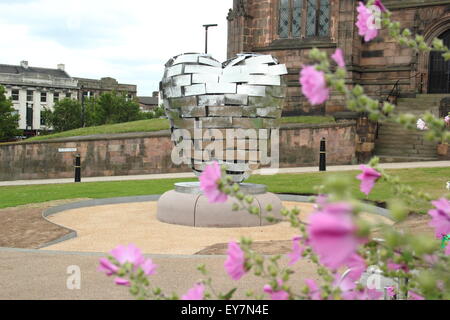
147,115
159,112
66,115
113,107
93,113
9,119
46,118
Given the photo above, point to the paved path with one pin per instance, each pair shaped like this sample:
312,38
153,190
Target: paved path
35,275
403,165
101,228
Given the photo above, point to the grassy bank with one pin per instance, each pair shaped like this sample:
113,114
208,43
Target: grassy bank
156,125
126,127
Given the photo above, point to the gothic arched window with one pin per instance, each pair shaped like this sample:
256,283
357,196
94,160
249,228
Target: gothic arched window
315,14
290,25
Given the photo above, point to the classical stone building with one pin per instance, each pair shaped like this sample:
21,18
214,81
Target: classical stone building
289,29
94,88
33,89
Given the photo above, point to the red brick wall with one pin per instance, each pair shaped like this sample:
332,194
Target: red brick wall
147,153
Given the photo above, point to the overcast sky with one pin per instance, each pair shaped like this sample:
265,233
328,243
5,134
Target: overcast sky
129,40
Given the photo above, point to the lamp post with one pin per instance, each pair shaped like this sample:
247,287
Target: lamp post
82,107
207,26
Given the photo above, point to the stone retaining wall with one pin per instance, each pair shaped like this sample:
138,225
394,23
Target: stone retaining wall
150,152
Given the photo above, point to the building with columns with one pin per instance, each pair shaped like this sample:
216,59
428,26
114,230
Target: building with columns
33,89
289,29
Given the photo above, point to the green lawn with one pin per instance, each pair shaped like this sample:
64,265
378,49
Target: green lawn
431,180
157,125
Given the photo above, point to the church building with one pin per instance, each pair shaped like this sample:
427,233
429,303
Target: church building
416,82
288,29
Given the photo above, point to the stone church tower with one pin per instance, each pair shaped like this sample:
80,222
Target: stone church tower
289,29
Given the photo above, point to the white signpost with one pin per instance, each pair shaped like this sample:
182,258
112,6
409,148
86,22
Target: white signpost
67,149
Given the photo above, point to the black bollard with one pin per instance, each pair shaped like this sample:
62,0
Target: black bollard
323,155
77,168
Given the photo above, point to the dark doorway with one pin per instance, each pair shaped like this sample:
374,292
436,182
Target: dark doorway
29,117
439,69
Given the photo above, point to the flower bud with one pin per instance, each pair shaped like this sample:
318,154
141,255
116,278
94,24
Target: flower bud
248,199
398,210
357,91
134,290
406,33
254,210
446,56
363,228
388,108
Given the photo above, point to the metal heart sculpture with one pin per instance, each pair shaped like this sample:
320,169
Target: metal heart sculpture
200,93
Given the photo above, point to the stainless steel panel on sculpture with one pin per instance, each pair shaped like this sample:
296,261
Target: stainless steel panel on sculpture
246,92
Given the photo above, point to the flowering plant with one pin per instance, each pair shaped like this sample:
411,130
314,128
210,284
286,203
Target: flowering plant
336,236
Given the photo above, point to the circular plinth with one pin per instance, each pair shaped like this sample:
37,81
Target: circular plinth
194,187
186,205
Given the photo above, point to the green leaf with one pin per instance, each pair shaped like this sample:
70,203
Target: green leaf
228,295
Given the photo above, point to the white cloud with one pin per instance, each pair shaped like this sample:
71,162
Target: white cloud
128,40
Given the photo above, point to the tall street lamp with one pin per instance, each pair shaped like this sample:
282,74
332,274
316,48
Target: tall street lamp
206,26
82,107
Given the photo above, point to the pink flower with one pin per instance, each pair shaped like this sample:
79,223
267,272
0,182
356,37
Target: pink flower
349,291
195,293
366,23
431,258
209,183
332,235
395,266
366,294
357,266
314,291
107,267
234,265
391,292
344,283
296,252
122,282
149,267
415,296
447,119
276,294
338,57
314,85
368,178
130,253
321,200
380,5
421,125
441,217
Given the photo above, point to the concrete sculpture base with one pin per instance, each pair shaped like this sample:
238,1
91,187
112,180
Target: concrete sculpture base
186,205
